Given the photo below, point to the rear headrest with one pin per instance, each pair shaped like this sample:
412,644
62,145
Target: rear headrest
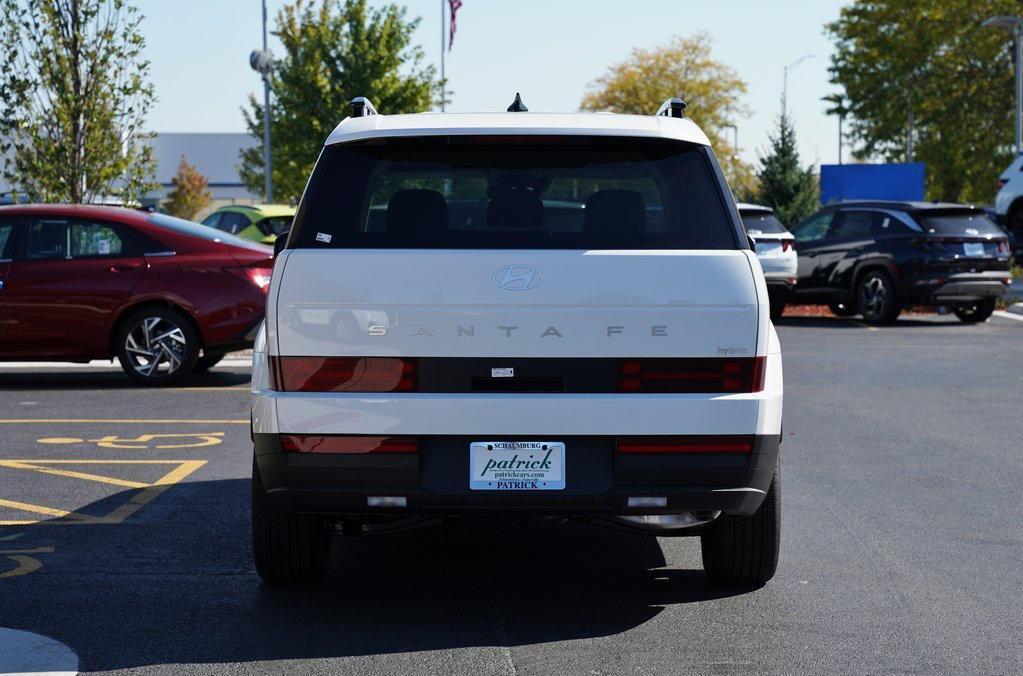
615,212
417,213
515,208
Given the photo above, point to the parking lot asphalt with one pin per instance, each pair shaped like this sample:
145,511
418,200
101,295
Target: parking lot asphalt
125,536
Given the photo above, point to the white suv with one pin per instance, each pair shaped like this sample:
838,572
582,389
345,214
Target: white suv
544,315
1009,204
775,247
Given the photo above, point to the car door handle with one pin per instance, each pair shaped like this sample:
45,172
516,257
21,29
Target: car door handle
124,267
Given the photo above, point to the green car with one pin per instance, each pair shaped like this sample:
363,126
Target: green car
258,222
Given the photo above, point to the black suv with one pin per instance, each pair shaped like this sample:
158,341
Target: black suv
874,258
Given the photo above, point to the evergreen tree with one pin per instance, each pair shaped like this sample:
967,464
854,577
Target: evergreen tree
785,186
191,193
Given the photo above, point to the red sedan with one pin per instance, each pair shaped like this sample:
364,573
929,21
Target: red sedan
163,295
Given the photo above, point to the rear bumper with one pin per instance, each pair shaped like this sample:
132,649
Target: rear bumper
961,287
435,481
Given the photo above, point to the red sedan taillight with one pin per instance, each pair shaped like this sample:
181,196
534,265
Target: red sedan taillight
343,374
687,444
258,273
726,375
348,444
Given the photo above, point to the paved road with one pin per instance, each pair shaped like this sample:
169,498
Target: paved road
902,537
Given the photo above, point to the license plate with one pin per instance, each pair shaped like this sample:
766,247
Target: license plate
517,466
973,249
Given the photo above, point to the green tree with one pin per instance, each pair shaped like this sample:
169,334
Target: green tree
74,93
333,52
190,194
934,58
683,67
785,185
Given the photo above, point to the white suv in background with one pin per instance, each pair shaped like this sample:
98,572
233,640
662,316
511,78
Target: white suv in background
509,355
1009,204
776,249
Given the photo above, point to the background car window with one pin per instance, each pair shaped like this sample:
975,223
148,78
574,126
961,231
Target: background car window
815,228
95,239
886,224
232,223
5,238
274,225
853,224
213,220
47,239
962,224
763,221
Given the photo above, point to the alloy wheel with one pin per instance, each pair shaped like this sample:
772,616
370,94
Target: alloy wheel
155,347
874,297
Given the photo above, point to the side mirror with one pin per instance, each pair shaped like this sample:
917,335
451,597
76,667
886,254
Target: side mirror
281,242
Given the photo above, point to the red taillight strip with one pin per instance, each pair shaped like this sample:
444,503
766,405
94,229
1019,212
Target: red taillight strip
343,374
686,444
348,444
692,375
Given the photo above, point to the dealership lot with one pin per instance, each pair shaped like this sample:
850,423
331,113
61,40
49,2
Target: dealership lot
125,536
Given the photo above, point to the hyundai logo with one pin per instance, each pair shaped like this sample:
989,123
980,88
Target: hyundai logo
517,278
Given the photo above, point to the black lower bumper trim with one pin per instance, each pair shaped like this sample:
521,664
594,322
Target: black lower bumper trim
435,481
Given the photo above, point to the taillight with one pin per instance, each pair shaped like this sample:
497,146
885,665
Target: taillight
1003,246
343,374
697,375
686,444
304,443
787,245
258,273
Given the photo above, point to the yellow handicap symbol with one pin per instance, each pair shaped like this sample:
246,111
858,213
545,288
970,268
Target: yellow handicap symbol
24,564
142,441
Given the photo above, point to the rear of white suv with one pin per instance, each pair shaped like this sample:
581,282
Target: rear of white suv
517,315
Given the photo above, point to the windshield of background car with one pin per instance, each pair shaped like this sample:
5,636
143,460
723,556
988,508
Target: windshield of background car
762,222
963,224
513,192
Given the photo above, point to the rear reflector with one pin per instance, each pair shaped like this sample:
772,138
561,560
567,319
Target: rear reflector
686,444
342,374
725,375
302,443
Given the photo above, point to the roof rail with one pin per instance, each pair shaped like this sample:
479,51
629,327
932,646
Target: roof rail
673,107
361,107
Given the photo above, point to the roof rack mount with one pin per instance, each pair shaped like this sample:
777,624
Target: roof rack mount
361,107
673,107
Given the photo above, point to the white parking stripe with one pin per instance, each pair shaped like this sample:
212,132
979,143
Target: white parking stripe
23,652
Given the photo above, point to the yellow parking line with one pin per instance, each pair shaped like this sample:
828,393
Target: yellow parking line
117,421
85,476
36,509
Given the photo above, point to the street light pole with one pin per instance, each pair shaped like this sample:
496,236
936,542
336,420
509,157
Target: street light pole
785,82
1014,24
268,182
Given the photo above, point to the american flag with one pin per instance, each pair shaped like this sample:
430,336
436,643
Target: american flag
454,4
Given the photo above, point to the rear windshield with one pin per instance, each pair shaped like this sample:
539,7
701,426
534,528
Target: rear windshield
965,224
762,222
510,192
184,227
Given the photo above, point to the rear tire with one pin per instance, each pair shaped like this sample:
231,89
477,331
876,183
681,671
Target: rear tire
876,298
842,309
207,361
743,550
287,548
975,312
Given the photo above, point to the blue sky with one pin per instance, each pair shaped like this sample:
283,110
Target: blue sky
547,49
